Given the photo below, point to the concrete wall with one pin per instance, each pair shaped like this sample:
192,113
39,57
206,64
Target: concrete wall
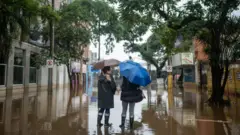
60,76
176,60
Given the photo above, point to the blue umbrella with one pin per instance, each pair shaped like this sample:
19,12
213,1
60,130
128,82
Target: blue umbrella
94,70
135,73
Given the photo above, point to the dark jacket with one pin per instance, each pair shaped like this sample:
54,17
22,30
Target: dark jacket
130,92
106,91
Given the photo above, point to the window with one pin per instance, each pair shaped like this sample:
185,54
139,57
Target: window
18,66
33,69
2,73
2,70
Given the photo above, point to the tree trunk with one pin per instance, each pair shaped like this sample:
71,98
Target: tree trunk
226,73
80,74
216,96
71,88
217,72
69,76
80,82
200,75
158,72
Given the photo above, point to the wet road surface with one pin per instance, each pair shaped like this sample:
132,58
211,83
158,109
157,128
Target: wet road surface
67,114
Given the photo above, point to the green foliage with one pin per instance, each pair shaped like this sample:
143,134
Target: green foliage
80,23
204,19
211,21
15,16
101,19
137,17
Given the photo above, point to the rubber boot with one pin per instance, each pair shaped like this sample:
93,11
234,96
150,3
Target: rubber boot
99,119
131,122
123,122
107,124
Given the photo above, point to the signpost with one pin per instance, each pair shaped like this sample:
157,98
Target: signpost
50,63
169,69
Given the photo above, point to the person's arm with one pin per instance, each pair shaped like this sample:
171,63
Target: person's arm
113,85
105,78
123,83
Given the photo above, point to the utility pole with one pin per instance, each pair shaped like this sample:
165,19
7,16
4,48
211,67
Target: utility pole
51,31
99,40
50,70
149,86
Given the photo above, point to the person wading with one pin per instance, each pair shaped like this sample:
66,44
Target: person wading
106,91
130,95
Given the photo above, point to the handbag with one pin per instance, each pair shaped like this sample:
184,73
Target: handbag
141,94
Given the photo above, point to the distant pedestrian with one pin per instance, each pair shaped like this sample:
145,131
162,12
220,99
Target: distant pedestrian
130,95
106,91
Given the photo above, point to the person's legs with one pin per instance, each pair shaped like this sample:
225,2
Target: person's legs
131,109
124,108
131,114
100,115
124,113
107,115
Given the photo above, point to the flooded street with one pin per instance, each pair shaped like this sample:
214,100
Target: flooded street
66,114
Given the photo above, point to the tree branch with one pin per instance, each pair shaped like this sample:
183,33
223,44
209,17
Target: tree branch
161,12
184,22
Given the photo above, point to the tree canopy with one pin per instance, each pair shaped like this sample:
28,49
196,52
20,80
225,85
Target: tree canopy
81,22
15,16
211,21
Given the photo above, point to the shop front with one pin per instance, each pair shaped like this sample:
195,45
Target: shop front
183,71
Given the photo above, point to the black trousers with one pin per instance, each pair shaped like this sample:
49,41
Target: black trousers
102,110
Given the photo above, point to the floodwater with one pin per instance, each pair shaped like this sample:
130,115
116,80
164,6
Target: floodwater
59,113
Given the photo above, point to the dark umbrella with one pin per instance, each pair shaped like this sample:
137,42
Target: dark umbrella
104,63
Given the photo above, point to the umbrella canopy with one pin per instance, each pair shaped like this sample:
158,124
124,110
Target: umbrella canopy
135,73
104,63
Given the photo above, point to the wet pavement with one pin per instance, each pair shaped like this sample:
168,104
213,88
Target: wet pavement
67,114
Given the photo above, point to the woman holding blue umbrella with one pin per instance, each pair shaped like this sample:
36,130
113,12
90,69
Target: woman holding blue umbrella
134,76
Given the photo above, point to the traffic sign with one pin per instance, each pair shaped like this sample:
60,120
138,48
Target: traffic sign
50,63
169,68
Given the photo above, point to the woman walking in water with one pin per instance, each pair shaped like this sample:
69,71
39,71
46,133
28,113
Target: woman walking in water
130,95
106,91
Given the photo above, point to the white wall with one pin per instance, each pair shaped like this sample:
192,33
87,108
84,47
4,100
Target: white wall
176,60
60,75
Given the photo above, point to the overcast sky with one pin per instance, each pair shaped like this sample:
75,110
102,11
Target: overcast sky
118,51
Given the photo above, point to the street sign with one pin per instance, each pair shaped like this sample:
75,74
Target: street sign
50,63
169,68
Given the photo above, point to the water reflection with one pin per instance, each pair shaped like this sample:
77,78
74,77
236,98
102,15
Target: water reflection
64,113
187,118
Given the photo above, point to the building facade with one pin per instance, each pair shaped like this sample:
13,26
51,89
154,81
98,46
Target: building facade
184,70
203,70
